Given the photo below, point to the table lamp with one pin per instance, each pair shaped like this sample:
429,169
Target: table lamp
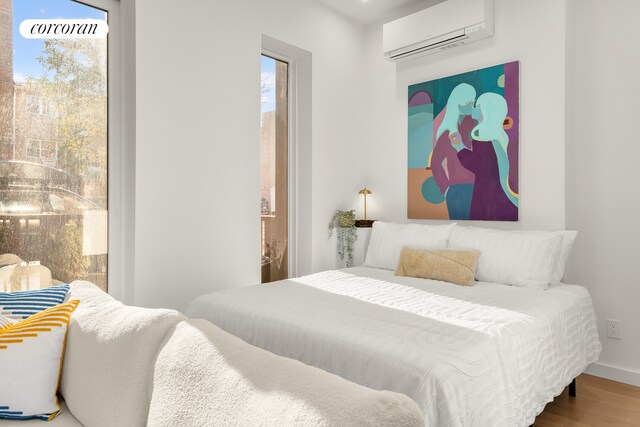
365,222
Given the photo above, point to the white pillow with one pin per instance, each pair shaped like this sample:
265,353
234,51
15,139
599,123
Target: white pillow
388,239
31,354
568,238
515,258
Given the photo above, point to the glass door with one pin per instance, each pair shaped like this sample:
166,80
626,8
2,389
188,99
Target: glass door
274,167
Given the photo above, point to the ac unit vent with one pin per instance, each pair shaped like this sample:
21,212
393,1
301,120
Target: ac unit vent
450,24
451,46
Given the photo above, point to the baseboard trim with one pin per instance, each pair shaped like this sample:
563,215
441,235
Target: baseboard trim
614,373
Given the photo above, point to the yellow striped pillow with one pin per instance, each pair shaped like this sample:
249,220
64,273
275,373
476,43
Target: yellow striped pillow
34,349
5,321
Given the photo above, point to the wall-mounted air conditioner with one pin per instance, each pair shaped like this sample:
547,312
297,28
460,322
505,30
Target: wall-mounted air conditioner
443,26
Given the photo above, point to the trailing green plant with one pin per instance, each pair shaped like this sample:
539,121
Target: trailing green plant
344,222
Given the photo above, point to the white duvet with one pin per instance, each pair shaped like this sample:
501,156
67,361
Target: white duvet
487,355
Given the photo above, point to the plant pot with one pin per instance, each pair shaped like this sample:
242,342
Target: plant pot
346,222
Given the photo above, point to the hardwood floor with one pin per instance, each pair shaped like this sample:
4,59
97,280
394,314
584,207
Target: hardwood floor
599,403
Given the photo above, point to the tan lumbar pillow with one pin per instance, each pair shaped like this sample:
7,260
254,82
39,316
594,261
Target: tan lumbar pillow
457,267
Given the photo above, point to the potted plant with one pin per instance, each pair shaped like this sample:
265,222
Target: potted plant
344,222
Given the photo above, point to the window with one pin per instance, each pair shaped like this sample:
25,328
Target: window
45,152
274,165
48,151
33,150
37,104
53,189
34,106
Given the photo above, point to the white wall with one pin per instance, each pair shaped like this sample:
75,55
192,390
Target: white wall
606,200
197,139
197,167
531,32
578,143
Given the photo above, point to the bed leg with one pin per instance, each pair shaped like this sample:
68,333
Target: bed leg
572,388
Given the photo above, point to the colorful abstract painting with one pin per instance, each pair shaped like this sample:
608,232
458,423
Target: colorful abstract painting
463,146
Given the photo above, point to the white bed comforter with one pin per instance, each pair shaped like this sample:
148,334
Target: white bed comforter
487,355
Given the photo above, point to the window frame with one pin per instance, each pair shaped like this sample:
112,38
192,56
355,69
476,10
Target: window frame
300,152
121,145
41,144
292,157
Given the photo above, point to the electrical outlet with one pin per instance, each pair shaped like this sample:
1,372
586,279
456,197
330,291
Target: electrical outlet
614,329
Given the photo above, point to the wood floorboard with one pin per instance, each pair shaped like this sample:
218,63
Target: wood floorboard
600,403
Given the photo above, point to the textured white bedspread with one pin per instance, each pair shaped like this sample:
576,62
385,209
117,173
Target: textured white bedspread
487,355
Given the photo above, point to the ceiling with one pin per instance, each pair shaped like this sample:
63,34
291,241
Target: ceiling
368,11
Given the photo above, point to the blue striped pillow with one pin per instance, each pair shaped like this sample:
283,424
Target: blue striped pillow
22,304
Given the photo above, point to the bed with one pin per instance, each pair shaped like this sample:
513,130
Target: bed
486,355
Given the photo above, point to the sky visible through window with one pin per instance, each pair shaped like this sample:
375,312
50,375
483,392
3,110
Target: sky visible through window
26,51
268,80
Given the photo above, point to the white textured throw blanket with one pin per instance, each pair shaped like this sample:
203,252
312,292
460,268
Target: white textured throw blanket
205,377
487,355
